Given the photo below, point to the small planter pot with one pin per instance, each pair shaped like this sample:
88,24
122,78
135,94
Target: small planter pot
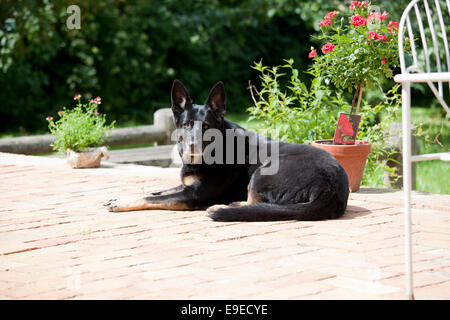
88,158
351,157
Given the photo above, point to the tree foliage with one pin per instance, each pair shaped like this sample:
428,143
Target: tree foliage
129,52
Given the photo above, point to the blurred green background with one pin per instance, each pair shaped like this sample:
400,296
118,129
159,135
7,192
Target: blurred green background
129,52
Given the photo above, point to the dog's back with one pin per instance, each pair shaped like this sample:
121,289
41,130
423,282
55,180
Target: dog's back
310,185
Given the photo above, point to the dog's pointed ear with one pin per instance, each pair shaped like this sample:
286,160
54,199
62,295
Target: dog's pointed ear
180,97
217,98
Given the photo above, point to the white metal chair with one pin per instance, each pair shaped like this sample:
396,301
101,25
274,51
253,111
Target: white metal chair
413,73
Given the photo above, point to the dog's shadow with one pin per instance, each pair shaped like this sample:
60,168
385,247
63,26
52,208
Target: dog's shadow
353,212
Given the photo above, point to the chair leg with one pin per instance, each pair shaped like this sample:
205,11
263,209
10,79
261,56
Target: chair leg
406,150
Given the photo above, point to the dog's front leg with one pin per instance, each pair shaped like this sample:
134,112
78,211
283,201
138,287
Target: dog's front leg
179,200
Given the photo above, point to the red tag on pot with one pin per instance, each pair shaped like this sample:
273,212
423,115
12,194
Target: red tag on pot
346,129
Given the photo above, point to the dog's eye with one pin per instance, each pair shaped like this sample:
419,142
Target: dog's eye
205,126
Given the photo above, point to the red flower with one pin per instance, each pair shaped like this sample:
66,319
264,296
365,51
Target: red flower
393,26
383,61
97,100
381,37
49,118
375,36
60,113
330,15
357,21
312,54
77,96
324,23
377,15
328,48
355,4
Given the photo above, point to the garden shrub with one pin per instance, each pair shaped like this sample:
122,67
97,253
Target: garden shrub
129,52
79,128
293,112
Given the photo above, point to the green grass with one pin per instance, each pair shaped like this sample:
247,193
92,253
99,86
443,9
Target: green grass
433,176
433,123
434,136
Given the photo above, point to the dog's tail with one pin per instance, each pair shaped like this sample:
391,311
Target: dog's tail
309,211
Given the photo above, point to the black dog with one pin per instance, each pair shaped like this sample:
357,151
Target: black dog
309,183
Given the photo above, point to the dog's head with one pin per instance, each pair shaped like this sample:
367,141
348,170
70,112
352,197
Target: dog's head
192,120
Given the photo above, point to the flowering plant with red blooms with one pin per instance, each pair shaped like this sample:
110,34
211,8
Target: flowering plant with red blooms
79,128
324,23
357,21
348,57
313,53
359,48
331,15
328,48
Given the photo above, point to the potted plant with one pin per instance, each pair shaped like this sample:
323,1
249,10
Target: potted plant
355,56
80,132
358,52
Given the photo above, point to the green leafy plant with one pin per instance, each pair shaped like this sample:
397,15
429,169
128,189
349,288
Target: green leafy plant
79,128
293,112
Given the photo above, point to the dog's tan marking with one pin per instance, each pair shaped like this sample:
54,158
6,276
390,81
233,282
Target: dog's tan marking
238,203
143,204
190,180
253,198
215,208
250,200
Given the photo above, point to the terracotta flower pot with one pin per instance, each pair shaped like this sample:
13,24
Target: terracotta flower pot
89,158
351,157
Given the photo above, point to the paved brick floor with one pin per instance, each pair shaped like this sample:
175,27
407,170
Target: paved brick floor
58,242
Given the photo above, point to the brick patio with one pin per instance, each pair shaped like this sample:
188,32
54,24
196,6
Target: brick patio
57,241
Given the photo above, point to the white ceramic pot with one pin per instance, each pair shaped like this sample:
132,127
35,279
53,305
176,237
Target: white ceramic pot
88,158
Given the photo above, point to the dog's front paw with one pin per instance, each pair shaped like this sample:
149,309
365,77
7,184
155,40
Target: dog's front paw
216,207
111,205
126,204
